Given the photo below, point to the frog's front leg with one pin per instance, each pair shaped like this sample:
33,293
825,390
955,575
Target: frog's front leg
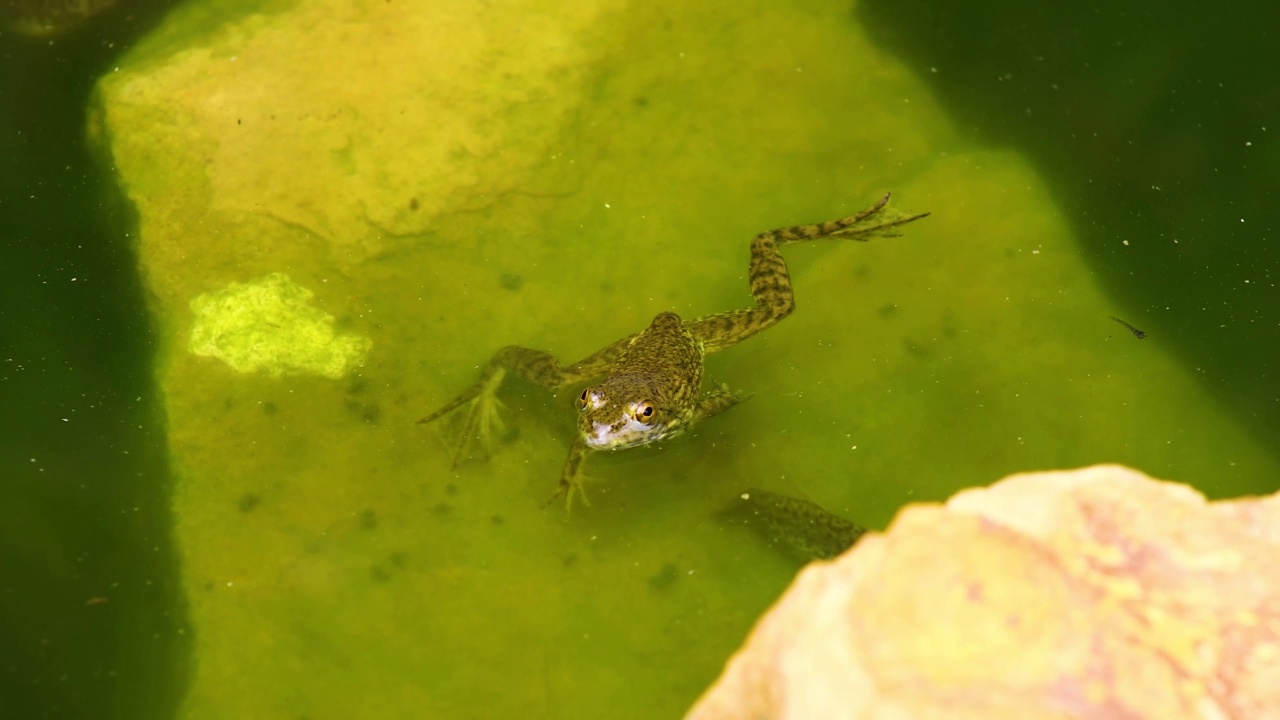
571,477
715,402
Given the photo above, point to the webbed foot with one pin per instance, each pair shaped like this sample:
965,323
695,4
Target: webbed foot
875,221
481,415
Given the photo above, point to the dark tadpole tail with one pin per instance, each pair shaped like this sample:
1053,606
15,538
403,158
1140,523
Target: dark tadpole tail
1136,332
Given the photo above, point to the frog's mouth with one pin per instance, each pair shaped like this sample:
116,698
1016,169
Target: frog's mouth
623,434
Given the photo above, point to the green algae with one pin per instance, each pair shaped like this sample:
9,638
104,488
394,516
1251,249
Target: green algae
267,325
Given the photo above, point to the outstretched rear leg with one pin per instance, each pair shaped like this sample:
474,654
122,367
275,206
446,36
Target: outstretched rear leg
770,281
480,403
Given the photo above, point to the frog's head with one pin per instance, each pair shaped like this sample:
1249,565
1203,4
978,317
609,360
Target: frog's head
611,418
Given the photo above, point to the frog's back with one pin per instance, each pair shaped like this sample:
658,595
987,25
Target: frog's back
667,357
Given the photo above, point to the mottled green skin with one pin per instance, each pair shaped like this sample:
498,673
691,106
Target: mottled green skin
651,391
800,526
652,387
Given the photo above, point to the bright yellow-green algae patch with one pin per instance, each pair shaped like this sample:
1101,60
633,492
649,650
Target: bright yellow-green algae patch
267,325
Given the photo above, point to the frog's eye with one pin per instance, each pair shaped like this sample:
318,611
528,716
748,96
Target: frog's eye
590,398
644,411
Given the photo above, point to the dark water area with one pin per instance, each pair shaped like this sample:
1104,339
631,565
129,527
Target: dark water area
90,619
1158,128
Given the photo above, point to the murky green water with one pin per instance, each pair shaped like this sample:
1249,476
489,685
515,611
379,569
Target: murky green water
1078,167
90,607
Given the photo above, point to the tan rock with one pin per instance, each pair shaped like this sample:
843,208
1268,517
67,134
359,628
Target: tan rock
1095,593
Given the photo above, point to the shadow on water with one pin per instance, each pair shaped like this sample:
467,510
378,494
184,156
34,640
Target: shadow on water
1159,131
91,617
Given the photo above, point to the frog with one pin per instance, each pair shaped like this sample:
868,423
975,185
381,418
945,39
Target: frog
650,385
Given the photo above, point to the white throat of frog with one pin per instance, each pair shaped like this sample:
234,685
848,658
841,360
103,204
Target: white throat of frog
615,436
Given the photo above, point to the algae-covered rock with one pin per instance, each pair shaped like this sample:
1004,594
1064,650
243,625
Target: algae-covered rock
267,325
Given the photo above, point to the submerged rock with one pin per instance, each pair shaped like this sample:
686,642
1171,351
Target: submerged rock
1094,593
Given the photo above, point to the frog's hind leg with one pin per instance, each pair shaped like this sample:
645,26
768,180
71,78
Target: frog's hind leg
481,413
771,282
482,406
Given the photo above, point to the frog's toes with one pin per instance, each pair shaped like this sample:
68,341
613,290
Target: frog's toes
489,420
482,415
577,487
569,489
737,395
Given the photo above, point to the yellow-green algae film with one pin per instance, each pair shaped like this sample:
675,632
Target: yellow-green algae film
448,181
267,325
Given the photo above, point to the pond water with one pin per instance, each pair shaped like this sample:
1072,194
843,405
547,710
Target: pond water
187,539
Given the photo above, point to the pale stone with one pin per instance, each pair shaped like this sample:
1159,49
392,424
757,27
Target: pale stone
1095,593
